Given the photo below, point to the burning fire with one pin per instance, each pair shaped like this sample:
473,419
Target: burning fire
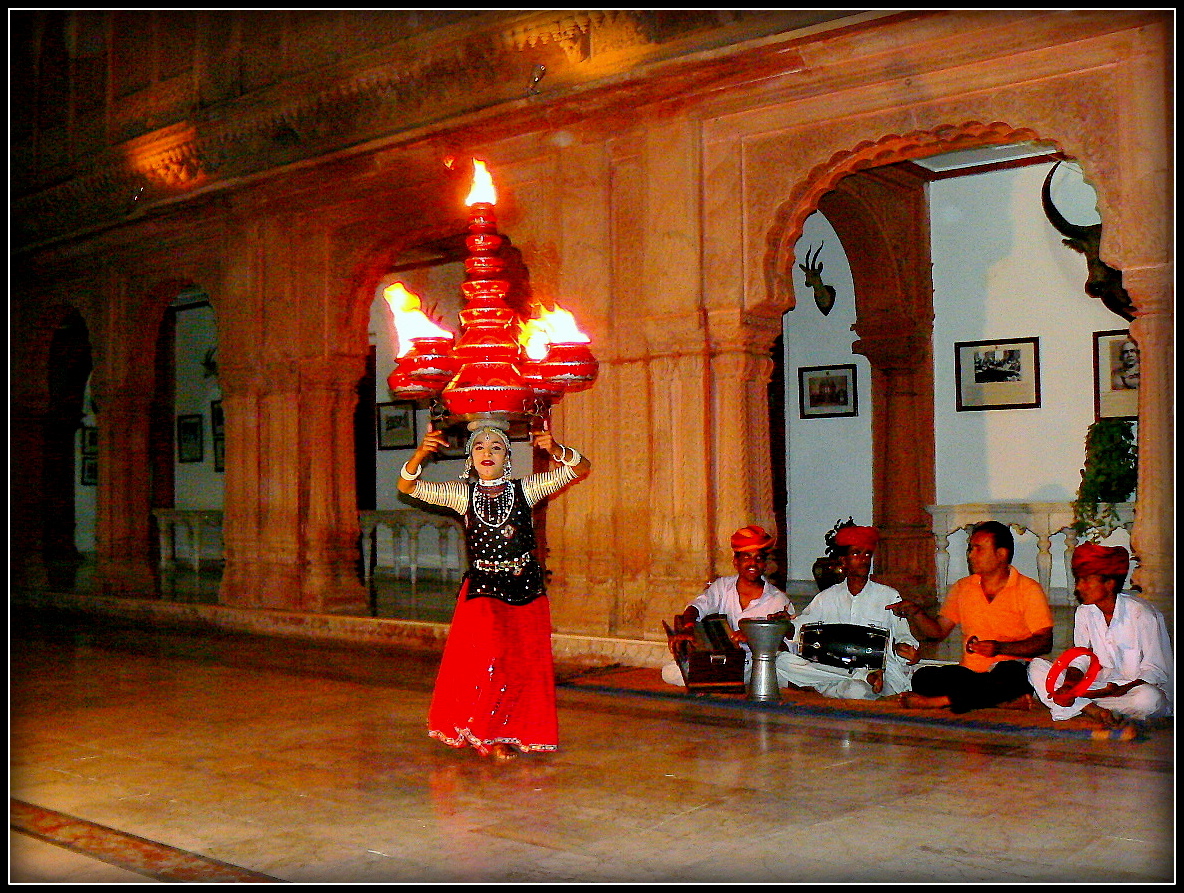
482,190
410,321
556,326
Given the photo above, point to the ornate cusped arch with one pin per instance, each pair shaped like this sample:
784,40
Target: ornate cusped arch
805,196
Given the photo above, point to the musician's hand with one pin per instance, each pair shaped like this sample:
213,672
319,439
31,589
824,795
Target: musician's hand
737,637
903,608
910,653
985,647
1062,697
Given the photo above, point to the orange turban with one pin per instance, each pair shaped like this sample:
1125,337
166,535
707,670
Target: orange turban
1105,561
860,537
752,539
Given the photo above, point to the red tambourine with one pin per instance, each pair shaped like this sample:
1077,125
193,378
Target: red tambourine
1062,663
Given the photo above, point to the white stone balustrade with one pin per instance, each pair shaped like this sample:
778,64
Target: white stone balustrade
413,534
191,522
415,538
1044,519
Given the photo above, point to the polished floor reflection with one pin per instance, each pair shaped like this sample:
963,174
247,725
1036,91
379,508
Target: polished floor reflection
194,755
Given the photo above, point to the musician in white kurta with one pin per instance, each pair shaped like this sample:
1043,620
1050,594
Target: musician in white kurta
1127,634
867,605
747,594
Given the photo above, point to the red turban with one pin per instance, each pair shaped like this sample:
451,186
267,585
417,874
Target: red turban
860,537
752,539
1105,561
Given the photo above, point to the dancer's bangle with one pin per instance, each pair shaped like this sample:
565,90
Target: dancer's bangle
575,457
407,475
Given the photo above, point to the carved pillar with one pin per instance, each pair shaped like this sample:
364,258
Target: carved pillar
290,523
328,397
124,536
741,368
242,483
27,457
902,458
1151,538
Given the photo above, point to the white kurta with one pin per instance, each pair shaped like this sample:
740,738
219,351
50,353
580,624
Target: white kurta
722,597
1134,645
837,605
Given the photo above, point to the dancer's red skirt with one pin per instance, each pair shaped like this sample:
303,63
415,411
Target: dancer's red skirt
497,679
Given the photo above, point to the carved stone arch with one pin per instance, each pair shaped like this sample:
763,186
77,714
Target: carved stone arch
878,208
804,197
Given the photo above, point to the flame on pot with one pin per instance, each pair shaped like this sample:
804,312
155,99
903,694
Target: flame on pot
556,326
410,321
482,189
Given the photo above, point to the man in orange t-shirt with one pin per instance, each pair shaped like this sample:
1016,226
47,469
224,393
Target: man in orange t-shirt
1005,621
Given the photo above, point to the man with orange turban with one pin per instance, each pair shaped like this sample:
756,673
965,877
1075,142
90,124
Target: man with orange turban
859,601
747,594
1125,636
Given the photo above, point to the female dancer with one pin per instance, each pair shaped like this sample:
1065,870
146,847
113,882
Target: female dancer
496,688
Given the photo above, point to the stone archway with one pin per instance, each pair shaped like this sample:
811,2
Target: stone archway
878,207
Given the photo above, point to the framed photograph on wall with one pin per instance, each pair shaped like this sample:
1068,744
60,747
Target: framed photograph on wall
89,440
396,425
190,438
217,420
1116,375
827,392
997,374
88,474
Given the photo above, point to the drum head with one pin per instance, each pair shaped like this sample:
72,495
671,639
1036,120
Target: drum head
848,646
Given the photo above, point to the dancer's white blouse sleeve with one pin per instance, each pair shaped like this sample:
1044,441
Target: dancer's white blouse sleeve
450,494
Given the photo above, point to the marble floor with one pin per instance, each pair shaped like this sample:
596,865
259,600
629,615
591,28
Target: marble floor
149,755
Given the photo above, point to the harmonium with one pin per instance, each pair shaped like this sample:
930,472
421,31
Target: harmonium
712,662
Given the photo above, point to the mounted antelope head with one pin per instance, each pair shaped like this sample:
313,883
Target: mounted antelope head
1104,281
824,295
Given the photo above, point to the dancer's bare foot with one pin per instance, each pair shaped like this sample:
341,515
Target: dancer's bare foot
910,700
876,680
502,753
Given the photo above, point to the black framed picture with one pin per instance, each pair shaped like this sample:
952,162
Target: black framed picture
396,425
997,374
190,436
1116,375
827,391
89,440
88,473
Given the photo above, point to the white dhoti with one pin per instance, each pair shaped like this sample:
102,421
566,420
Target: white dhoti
1143,702
834,682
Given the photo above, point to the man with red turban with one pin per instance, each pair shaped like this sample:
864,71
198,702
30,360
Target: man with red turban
856,600
747,594
1127,637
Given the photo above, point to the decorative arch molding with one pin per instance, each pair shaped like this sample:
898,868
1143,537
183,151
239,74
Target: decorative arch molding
804,198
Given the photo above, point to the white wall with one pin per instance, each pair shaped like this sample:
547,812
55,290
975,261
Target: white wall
196,485
85,502
1000,271
829,474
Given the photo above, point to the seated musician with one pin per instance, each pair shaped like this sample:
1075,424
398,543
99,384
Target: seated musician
747,594
1128,639
859,601
1005,621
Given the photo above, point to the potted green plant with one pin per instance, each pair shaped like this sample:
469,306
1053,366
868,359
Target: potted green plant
1109,477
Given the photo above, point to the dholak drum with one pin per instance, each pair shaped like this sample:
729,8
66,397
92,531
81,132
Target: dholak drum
844,645
764,639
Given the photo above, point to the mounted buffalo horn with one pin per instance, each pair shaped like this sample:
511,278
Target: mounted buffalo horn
1104,282
824,295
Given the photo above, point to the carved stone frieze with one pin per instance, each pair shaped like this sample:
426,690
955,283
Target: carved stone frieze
439,76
